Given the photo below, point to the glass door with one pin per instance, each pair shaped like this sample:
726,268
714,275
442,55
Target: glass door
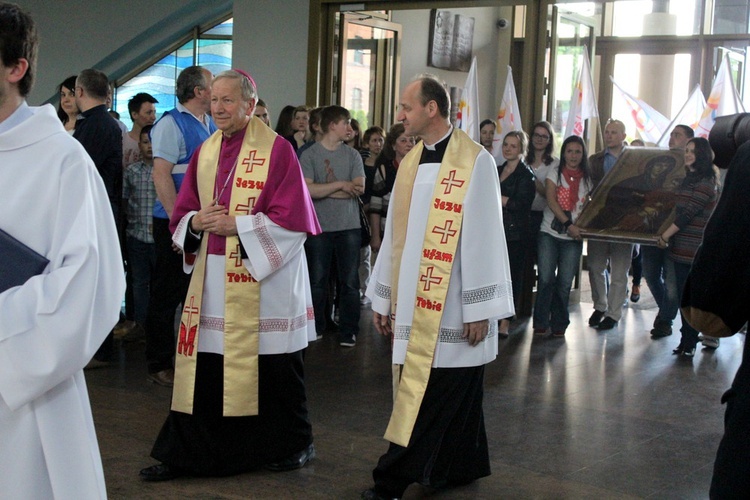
570,36
366,69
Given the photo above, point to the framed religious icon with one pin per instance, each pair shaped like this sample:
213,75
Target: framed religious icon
635,202
451,41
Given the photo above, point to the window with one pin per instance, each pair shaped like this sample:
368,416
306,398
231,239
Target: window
356,99
212,48
730,17
639,18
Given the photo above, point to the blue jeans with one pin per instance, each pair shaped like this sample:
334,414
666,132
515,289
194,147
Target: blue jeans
141,263
320,251
553,289
636,265
676,275
653,272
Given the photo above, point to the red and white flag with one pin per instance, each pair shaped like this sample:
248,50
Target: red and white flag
722,101
508,116
649,122
582,101
467,117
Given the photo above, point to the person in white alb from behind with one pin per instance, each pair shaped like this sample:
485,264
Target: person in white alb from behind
53,200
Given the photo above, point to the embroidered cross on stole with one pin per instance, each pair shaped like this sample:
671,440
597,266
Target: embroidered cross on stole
438,252
242,291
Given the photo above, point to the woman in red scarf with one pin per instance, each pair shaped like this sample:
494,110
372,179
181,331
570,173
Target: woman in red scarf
560,243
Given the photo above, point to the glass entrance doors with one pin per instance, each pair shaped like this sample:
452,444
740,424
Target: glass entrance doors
366,69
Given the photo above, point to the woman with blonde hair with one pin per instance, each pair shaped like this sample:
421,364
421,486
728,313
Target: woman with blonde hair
517,190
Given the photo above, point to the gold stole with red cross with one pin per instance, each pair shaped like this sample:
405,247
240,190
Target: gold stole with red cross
436,261
242,291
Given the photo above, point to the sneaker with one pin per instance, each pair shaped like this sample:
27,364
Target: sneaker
635,295
558,333
688,352
541,332
347,340
710,342
607,324
596,318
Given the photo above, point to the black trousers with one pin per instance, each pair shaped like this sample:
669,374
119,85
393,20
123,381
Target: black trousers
168,290
731,477
517,250
207,443
448,446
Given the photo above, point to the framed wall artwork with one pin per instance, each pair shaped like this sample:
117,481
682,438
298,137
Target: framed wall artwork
451,40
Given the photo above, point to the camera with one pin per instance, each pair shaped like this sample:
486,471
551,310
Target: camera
727,135
502,24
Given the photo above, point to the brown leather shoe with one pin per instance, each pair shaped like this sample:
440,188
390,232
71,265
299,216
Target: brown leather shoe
164,378
123,328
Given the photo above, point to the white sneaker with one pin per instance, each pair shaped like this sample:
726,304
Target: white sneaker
710,342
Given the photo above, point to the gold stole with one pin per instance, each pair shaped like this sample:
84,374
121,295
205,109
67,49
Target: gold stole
438,252
242,291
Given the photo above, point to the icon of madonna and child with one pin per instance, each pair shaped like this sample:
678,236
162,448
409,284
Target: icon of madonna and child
635,201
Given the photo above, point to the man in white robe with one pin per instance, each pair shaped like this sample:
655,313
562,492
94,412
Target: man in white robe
241,217
53,200
445,442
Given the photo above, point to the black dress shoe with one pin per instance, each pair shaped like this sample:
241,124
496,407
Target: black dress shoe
296,461
596,318
161,472
661,330
607,324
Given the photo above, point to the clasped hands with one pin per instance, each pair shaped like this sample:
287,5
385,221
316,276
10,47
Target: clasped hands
214,219
475,331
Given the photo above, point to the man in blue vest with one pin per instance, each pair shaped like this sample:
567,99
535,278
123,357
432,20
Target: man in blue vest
174,137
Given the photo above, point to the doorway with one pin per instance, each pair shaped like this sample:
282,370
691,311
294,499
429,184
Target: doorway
366,67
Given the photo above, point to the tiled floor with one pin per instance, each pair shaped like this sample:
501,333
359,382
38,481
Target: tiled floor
594,415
